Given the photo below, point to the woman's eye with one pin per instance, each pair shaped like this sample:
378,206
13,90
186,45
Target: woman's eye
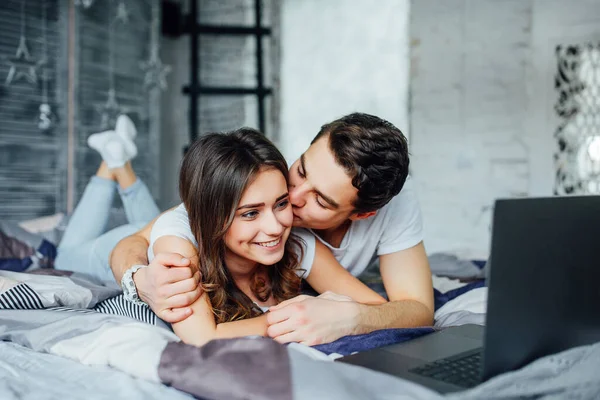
283,204
250,214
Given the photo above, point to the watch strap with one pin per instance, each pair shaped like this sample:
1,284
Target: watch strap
128,285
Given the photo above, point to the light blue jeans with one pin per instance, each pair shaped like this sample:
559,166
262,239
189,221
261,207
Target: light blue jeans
86,246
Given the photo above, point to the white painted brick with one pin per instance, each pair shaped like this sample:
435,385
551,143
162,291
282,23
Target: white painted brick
480,84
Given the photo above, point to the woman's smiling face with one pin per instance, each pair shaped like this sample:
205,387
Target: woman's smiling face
262,222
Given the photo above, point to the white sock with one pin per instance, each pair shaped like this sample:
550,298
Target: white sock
111,148
125,129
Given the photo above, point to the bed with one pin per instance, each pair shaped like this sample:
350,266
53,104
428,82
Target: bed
64,335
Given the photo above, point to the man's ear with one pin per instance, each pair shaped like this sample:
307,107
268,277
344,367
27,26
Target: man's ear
363,215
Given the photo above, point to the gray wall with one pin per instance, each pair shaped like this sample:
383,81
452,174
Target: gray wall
482,97
174,125
337,57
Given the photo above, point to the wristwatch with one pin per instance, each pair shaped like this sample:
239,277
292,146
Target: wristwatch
129,290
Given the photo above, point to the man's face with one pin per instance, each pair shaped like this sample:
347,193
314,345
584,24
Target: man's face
321,192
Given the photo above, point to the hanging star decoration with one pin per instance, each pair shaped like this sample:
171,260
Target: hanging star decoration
122,13
155,73
109,111
84,3
22,65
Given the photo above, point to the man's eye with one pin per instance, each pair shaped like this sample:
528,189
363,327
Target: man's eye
300,173
318,202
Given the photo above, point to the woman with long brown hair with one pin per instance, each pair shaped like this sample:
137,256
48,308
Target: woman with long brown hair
235,226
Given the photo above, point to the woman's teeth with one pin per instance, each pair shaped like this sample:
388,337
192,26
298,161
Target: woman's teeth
272,243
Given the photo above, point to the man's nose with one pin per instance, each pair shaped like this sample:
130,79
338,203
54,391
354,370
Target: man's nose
298,195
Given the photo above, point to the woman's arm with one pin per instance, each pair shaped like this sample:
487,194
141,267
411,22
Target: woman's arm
200,327
328,275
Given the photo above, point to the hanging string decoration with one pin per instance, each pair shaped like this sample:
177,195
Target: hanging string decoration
155,72
111,109
45,117
22,65
122,12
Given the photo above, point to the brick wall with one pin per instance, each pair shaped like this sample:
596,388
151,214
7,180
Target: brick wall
481,111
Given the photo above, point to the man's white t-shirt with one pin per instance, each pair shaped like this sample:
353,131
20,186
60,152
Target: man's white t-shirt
395,227
176,223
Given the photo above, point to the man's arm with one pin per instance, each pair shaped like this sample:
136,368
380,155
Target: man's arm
312,321
167,285
407,280
131,251
338,288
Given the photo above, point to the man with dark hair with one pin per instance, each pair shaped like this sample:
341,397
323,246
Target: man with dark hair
373,152
351,189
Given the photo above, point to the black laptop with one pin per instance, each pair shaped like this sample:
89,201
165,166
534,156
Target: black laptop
543,298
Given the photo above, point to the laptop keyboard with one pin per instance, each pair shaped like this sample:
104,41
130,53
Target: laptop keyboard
462,370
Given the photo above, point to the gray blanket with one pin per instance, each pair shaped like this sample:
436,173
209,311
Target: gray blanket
54,317
29,375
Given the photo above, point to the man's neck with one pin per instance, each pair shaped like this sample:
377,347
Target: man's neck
334,236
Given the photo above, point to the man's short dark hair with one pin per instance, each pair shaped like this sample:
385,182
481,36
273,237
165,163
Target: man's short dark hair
373,152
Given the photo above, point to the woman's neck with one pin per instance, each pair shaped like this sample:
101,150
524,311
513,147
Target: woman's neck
240,269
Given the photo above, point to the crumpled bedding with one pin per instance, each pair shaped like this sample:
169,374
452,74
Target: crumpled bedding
66,333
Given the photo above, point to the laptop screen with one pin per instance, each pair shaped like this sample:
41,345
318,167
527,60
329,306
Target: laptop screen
544,284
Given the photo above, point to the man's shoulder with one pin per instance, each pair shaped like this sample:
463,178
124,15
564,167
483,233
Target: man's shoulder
407,194
403,202
400,216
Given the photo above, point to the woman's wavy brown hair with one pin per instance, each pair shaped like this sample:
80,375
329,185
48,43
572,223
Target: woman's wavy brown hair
215,171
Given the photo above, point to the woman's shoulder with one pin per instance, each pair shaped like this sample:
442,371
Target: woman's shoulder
174,222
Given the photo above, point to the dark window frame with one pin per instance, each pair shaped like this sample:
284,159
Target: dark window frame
195,89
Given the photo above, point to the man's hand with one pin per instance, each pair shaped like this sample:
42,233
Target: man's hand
168,286
334,296
312,320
